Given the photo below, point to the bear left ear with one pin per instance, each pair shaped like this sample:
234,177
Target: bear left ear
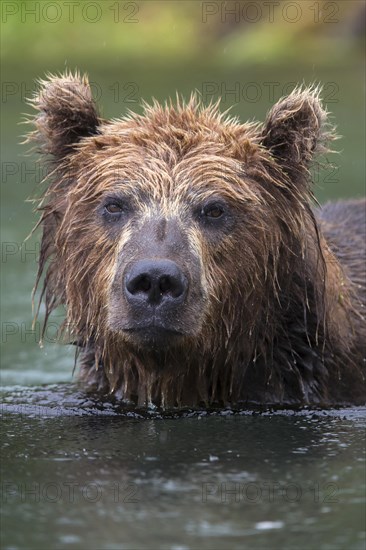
66,114
296,129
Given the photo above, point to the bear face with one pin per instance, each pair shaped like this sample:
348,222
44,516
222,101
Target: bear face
183,244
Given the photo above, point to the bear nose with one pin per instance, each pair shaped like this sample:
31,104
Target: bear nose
155,281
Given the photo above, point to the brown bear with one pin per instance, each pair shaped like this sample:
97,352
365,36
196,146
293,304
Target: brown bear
194,269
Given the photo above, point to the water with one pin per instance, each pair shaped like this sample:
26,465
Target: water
78,474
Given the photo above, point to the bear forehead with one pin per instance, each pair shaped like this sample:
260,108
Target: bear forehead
171,133
170,151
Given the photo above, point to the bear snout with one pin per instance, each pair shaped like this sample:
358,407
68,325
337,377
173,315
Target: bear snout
155,291
154,283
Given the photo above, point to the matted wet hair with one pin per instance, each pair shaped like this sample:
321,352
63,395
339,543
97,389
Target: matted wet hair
280,320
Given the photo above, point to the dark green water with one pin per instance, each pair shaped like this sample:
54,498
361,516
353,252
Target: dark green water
76,474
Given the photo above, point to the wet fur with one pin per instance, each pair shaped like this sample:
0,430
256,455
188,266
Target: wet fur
283,321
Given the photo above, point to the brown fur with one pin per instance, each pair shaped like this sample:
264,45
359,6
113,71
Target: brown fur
274,312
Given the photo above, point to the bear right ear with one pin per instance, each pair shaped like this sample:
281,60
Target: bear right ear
66,114
296,130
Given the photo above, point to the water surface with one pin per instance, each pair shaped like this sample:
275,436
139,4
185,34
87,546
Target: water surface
81,474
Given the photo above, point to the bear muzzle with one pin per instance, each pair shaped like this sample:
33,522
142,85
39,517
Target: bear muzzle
156,297
155,291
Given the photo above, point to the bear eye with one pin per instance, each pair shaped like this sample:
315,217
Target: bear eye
213,211
113,208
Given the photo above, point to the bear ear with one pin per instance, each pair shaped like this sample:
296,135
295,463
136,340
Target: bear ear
296,129
66,112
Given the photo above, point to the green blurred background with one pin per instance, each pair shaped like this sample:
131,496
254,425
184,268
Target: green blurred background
250,53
